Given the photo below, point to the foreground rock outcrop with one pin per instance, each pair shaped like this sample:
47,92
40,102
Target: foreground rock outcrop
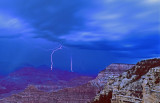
140,84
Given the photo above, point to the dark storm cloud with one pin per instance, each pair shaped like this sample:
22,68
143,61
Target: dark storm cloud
111,29
55,16
80,21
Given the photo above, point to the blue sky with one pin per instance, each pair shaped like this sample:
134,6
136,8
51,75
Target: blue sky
96,33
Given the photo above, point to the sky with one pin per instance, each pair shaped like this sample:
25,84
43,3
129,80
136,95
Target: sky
95,33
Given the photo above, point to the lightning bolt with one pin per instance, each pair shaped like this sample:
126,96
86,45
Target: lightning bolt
71,65
52,55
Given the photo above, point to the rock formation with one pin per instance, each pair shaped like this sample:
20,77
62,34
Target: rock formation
151,86
113,70
140,84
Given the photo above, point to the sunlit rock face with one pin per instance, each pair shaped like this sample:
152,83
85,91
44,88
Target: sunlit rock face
151,86
140,84
113,70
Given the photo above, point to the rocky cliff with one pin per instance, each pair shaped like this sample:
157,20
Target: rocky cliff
113,70
140,84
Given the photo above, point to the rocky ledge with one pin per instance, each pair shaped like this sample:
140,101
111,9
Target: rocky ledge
140,84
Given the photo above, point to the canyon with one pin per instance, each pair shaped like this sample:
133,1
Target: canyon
75,89
117,83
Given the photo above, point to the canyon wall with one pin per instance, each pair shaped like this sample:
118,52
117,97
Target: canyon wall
140,84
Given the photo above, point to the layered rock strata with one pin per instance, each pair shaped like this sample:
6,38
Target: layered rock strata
140,84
